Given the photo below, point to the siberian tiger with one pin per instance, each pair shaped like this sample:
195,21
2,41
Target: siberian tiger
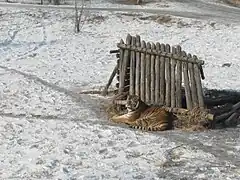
145,117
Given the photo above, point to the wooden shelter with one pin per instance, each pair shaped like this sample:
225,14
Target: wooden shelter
159,73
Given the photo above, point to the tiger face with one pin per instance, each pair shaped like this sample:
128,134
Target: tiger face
133,103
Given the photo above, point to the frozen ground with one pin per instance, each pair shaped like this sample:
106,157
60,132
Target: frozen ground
49,131
215,10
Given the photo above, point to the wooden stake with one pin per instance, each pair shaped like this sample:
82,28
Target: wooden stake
153,75
173,65
162,76
198,83
120,67
132,68
192,82
126,59
168,78
138,67
179,79
186,84
148,74
143,70
157,78
105,91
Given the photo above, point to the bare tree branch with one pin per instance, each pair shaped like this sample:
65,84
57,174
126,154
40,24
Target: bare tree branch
79,16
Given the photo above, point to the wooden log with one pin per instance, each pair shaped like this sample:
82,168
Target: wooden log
227,114
138,67
160,53
201,72
121,52
118,62
168,77
220,97
126,79
193,86
117,70
127,82
125,89
198,83
96,92
153,74
236,106
162,76
157,76
221,110
148,74
143,70
223,116
179,80
125,63
132,68
123,68
172,86
105,91
119,102
127,70
114,51
186,84
232,120
210,117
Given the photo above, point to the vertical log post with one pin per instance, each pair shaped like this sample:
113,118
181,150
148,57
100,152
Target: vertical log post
192,83
138,67
162,76
120,81
143,70
153,75
157,77
173,65
125,63
118,69
198,83
132,68
186,83
179,79
148,74
168,78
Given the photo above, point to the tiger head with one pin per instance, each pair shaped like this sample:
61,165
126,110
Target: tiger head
133,103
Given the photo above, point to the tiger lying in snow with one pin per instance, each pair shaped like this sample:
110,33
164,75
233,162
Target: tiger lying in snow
145,117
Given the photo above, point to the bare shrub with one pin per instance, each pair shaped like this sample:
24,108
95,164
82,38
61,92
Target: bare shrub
79,16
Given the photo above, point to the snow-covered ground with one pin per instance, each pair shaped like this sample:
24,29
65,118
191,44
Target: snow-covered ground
49,131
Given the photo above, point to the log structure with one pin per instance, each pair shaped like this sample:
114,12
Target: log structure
157,72
165,75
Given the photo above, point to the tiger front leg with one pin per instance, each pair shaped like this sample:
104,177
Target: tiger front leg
123,119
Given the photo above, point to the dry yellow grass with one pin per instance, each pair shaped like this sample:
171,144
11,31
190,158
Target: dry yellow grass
233,2
195,120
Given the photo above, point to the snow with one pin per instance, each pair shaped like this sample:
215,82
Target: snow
49,131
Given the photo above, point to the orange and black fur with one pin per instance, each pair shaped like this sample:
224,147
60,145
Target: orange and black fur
145,117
